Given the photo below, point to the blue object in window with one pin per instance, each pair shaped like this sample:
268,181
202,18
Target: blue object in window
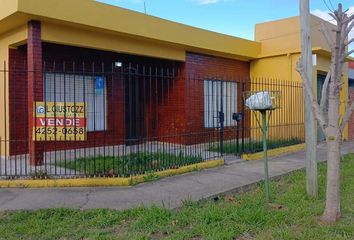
99,85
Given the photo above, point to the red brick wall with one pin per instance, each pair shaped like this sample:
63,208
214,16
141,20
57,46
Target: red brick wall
171,107
202,67
59,59
181,112
173,101
351,120
34,86
153,72
71,60
18,115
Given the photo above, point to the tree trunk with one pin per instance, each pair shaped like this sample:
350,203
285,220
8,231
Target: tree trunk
332,126
332,210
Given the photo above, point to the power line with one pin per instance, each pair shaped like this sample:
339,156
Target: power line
330,2
325,2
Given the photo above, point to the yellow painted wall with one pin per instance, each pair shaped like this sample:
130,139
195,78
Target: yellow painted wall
91,14
344,98
278,37
6,41
318,40
283,36
67,35
280,52
7,8
282,67
280,71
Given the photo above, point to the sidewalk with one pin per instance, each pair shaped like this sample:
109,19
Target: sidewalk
169,192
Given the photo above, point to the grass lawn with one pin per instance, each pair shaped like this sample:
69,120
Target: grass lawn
293,216
132,164
256,146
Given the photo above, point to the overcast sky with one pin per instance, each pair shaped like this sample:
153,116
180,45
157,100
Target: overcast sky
233,17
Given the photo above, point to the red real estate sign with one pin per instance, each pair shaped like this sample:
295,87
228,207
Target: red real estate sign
59,121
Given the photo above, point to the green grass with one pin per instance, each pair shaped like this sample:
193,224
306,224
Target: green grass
255,146
132,164
242,217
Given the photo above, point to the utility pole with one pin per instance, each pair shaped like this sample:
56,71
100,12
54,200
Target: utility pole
310,124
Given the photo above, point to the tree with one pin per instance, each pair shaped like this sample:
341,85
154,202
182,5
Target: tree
331,121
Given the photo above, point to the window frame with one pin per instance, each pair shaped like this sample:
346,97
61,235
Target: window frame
84,78
212,98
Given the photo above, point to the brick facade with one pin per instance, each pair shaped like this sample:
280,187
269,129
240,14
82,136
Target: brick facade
73,60
203,67
34,86
59,59
18,117
172,98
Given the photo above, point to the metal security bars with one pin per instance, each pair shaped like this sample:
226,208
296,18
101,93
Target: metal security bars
123,120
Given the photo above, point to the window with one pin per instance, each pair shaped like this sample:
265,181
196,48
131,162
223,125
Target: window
215,93
79,88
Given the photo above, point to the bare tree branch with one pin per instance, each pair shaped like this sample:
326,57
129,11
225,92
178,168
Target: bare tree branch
327,36
348,54
309,90
343,41
349,28
333,15
344,35
349,42
346,117
325,91
349,19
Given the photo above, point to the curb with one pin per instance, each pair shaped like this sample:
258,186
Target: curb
274,152
107,182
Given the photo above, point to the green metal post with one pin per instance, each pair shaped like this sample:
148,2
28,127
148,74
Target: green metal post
265,151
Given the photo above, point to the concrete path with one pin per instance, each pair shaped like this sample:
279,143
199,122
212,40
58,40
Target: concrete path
169,192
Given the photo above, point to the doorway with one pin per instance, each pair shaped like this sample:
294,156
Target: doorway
135,114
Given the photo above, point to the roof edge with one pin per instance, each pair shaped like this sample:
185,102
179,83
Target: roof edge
8,7
98,15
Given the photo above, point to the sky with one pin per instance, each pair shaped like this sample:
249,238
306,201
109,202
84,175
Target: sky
232,17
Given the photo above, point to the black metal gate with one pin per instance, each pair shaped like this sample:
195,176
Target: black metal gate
134,107
225,96
139,119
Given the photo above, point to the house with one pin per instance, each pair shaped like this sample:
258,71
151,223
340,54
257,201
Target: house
141,77
351,98
281,50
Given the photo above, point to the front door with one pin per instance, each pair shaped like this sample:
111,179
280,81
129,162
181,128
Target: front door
134,109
